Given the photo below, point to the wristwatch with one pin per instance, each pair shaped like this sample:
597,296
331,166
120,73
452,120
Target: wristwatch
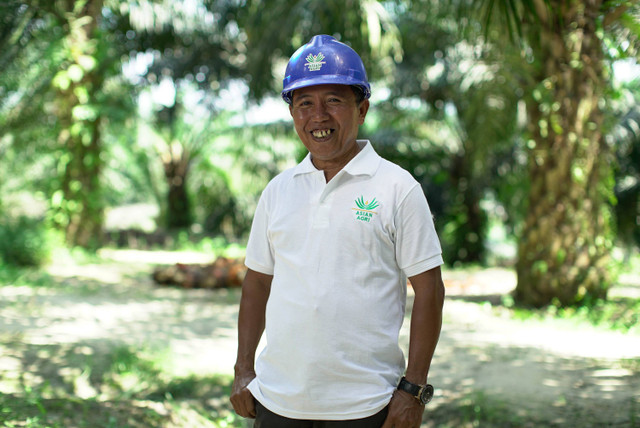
422,393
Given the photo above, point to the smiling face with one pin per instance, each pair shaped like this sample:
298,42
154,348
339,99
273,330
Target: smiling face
327,118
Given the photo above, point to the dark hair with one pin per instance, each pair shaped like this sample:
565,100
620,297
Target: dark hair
358,92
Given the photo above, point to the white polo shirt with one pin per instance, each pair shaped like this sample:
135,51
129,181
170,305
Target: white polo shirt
339,253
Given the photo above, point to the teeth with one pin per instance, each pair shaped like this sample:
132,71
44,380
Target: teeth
321,134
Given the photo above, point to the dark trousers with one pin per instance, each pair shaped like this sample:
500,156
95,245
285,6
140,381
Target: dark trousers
267,419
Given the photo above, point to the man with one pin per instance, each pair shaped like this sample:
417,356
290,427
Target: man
332,243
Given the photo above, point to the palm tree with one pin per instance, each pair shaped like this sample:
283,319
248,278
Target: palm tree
566,240
77,87
83,44
364,24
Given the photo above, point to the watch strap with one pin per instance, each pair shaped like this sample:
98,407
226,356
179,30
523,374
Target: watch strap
409,387
422,393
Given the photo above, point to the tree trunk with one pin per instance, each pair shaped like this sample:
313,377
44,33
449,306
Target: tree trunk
471,222
176,170
566,240
83,207
79,206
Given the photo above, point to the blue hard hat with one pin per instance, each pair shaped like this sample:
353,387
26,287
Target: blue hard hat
324,61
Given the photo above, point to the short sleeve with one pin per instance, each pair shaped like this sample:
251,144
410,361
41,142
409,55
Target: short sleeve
417,245
259,255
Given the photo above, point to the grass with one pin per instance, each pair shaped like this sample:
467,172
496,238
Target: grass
13,276
477,409
616,314
101,386
97,384
94,383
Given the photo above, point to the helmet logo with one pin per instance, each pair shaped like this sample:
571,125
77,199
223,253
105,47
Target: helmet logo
314,62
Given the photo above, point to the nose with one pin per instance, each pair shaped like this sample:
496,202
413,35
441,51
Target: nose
319,111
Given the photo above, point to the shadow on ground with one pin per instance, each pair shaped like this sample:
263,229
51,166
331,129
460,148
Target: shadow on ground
101,384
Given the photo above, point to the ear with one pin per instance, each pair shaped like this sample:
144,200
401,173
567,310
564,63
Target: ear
363,108
291,110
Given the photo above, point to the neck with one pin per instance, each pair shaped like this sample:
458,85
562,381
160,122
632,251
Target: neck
332,167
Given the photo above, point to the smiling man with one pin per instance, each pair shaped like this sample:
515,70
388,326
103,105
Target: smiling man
332,244
327,118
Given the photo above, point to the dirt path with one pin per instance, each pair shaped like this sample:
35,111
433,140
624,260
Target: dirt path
575,377
550,372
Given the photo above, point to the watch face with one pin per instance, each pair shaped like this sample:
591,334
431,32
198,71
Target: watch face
427,394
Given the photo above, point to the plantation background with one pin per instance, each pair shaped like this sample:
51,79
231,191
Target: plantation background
138,134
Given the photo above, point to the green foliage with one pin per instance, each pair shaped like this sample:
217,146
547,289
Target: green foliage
217,204
450,116
451,120
618,314
623,112
367,26
21,276
23,242
246,159
218,245
622,314
480,409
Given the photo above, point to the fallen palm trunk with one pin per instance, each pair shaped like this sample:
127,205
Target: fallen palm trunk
222,273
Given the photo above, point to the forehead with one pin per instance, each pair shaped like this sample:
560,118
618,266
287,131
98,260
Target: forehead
321,90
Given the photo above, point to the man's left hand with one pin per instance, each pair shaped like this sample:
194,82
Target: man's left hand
404,411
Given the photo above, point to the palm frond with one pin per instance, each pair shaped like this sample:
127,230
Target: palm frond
508,13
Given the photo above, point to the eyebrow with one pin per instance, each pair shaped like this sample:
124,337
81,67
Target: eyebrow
330,93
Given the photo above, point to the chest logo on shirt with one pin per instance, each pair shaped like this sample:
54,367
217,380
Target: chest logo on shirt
365,209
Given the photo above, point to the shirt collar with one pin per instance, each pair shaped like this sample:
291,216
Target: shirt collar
364,163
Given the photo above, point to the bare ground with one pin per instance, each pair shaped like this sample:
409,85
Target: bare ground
529,373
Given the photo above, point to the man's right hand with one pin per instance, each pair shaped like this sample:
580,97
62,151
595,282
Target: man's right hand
241,398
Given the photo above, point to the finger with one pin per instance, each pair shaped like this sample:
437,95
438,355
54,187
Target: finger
237,407
251,407
246,404
388,423
239,404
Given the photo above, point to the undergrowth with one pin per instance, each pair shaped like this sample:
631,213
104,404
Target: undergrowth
617,314
97,386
